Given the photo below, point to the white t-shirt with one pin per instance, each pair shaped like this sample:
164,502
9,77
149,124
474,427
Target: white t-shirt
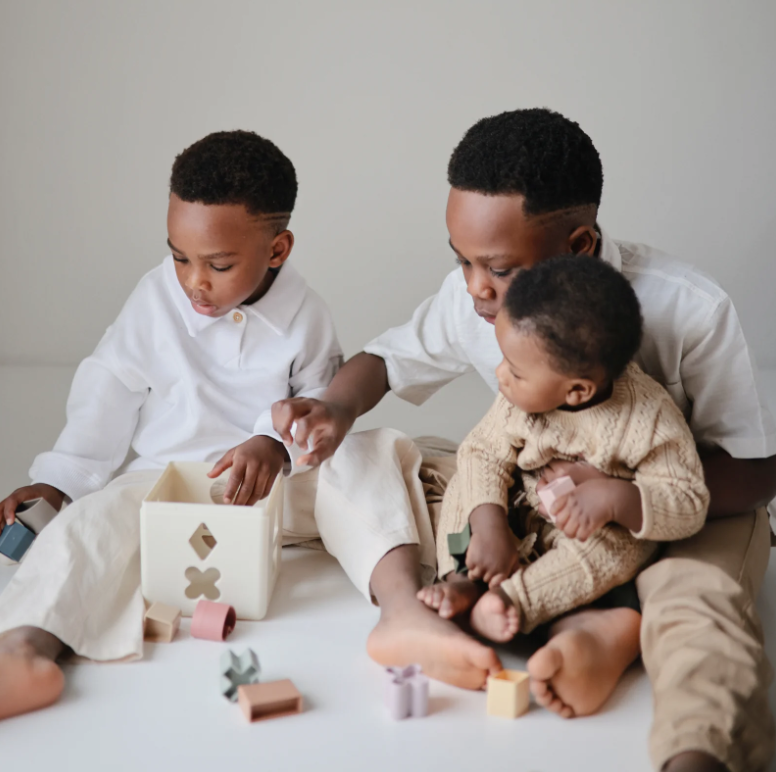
174,385
693,345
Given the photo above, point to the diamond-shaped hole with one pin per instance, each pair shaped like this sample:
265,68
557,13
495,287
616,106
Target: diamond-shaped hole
203,541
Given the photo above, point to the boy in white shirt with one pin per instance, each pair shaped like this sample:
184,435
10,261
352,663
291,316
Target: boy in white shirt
526,185
189,371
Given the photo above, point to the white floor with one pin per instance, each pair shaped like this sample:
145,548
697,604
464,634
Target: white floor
166,713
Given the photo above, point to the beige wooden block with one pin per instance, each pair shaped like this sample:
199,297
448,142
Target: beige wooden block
161,623
508,694
269,700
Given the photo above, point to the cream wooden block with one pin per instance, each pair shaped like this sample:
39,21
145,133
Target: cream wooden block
508,694
179,563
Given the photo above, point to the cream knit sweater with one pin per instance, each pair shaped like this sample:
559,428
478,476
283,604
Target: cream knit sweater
637,434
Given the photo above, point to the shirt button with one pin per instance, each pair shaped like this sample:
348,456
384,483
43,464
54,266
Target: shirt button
237,316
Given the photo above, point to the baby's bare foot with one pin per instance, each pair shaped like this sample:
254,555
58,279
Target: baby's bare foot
495,617
28,679
415,634
576,672
450,598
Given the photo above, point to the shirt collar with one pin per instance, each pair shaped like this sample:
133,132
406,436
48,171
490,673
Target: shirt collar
610,252
276,309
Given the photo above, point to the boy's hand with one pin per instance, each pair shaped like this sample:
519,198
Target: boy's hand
596,502
320,427
255,465
8,505
491,556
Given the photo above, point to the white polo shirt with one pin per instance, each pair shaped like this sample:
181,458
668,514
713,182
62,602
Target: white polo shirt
693,345
174,385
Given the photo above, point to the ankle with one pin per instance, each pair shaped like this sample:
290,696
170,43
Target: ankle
31,642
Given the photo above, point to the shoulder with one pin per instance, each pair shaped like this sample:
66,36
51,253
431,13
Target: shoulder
650,401
658,276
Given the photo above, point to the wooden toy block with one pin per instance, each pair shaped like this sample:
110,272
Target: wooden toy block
406,692
194,546
15,540
213,621
162,623
552,492
272,700
238,671
36,514
508,694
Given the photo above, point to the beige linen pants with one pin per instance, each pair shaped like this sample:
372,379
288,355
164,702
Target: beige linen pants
701,638
80,580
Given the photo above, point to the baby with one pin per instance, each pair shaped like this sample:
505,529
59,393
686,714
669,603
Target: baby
568,330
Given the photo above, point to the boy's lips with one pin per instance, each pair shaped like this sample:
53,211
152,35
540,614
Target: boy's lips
489,318
206,309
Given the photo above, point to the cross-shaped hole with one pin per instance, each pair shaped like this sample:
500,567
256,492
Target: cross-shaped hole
203,583
203,541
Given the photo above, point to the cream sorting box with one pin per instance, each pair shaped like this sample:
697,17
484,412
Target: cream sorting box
193,548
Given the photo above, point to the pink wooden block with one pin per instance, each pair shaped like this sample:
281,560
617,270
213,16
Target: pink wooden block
213,621
552,492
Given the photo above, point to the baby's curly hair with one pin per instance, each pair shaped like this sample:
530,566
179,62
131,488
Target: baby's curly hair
237,167
536,153
585,313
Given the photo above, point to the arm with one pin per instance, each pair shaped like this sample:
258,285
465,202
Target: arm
738,485
414,360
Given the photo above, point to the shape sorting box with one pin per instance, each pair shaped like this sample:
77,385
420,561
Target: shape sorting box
192,547
508,694
272,700
161,623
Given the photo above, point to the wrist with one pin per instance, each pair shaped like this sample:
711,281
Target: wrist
627,510
487,517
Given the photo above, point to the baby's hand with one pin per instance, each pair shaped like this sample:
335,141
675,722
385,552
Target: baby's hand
578,471
491,556
596,502
8,505
255,465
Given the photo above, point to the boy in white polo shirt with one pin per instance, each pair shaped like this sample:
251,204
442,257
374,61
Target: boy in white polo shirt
526,185
188,372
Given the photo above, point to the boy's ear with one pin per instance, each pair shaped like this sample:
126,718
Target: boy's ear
580,391
583,240
282,245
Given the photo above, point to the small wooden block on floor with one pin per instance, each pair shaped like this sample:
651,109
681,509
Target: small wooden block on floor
508,694
162,623
271,700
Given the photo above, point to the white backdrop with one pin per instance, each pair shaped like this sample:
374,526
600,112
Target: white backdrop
368,99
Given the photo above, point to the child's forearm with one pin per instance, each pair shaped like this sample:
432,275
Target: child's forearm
359,385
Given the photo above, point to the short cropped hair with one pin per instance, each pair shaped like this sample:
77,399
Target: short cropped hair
584,312
536,153
237,167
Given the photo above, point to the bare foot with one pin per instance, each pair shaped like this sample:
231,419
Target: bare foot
451,597
576,672
415,634
29,678
694,761
494,617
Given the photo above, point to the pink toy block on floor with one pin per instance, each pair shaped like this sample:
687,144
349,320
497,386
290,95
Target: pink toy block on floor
406,692
212,621
552,492
271,700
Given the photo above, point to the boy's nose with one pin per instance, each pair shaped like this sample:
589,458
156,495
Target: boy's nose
198,281
478,287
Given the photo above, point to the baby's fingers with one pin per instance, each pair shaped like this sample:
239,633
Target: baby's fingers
496,581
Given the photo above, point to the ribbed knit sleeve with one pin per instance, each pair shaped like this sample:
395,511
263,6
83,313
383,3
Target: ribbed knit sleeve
674,497
488,456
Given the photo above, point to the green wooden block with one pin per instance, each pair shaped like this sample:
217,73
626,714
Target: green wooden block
458,543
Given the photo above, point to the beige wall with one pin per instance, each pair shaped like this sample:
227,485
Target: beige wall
368,99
